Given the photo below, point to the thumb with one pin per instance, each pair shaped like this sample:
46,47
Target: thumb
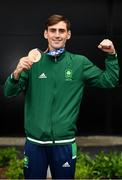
100,46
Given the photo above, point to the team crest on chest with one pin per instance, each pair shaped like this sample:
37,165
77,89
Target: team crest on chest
68,74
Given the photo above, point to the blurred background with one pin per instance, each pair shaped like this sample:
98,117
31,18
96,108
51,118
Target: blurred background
21,29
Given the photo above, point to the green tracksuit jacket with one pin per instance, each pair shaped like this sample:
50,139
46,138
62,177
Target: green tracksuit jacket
53,91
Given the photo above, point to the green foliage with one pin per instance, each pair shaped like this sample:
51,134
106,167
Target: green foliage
83,166
6,154
15,169
103,166
118,165
14,165
107,166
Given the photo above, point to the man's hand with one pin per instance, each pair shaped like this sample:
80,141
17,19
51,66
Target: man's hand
107,46
25,63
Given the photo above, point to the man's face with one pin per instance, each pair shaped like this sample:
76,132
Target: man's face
57,35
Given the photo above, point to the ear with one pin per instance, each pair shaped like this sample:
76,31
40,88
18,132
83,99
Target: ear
69,34
45,34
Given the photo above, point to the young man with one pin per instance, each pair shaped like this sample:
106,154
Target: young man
53,89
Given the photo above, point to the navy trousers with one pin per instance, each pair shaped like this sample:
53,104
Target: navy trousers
60,158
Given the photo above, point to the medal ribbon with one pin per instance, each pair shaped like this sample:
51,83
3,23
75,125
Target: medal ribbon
56,52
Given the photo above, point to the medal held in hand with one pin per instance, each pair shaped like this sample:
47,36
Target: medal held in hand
34,55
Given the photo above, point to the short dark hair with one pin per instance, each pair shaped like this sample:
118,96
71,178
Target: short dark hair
54,19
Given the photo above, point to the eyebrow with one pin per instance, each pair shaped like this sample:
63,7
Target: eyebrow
56,29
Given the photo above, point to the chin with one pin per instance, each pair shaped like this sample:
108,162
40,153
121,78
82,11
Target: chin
57,47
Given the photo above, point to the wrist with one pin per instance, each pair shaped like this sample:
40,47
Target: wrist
15,75
112,53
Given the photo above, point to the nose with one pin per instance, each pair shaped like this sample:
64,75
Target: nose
57,33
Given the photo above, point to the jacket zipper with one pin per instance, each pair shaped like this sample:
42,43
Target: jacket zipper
53,103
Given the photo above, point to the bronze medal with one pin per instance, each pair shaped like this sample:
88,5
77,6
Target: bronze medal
34,55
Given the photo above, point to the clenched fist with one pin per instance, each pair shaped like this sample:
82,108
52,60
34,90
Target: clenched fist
107,46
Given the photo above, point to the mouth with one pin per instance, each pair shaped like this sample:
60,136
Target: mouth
56,42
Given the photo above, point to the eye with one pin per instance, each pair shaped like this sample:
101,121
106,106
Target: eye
61,30
52,30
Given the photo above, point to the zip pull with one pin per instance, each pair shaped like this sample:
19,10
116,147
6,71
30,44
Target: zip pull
55,58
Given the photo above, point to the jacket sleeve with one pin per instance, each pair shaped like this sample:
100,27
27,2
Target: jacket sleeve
108,78
14,87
